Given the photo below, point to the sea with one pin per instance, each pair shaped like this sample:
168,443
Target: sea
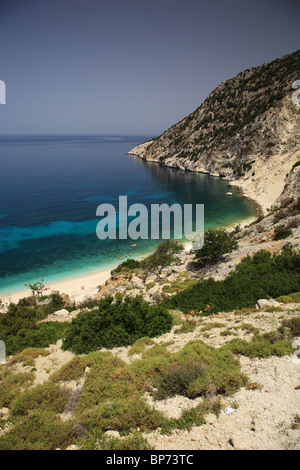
51,186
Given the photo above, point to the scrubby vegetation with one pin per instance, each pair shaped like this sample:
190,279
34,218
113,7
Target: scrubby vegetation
118,323
113,393
262,276
198,370
164,255
11,384
281,232
20,327
286,299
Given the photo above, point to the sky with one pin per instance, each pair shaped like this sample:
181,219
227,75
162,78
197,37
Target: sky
129,66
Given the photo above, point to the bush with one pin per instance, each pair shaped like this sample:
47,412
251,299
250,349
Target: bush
116,324
11,385
260,277
163,256
198,370
275,343
48,397
74,369
39,336
288,299
281,232
40,431
132,442
140,345
290,328
217,243
261,346
20,328
127,265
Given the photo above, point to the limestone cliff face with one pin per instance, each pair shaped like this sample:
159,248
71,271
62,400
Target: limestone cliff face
247,126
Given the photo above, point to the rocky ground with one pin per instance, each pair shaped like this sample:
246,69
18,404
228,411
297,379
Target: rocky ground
264,418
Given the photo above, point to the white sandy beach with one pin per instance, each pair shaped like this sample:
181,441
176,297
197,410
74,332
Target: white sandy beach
78,289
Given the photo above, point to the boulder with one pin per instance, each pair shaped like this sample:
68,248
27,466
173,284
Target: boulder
61,313
264,303
179,269
137,283
114,434
4,412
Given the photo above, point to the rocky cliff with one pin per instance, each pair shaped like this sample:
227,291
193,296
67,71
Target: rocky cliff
247,130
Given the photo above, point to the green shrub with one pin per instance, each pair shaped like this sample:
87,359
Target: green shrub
217,243
295,297
290,328
20,328
116,324
163,256
36,336
113,397
128,265
133,442
150,285
39,431
177,379
262,276
197,370
12,385
74,369
47,397
266,345
139,346
288,299
281,232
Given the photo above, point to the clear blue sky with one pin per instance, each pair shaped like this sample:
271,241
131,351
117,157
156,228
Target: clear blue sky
129,66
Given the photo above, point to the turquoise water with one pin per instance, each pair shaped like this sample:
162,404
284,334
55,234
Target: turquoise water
51,187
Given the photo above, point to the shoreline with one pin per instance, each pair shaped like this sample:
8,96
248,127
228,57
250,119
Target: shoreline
87,286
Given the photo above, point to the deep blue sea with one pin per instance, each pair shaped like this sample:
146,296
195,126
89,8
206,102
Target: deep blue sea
51,186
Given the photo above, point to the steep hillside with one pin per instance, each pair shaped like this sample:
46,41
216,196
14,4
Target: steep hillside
247,130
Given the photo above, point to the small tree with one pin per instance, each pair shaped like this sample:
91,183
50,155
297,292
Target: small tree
217,243
163,256
37,288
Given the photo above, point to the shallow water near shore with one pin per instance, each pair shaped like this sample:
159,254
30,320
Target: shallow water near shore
50,189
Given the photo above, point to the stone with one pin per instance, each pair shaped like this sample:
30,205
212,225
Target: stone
137,283
61,313
264,303
114,434
4,412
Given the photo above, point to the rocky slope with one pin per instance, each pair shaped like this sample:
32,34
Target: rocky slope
264,415
247,130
